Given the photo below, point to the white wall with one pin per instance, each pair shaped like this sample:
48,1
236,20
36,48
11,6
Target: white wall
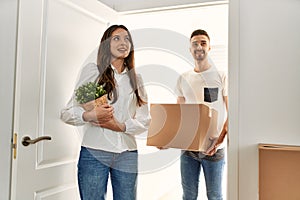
267,39
8,23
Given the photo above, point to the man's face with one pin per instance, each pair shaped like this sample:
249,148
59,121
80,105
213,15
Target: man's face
200,47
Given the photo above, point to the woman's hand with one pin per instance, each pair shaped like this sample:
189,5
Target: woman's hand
99,114
112,124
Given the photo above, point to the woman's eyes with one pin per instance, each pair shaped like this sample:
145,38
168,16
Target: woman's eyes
118,38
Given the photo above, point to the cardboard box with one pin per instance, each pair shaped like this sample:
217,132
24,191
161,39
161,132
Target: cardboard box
279,172
182,126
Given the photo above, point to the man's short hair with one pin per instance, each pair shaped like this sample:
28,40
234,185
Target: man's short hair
199,32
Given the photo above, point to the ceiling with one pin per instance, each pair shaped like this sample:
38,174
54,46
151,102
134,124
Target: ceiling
135,5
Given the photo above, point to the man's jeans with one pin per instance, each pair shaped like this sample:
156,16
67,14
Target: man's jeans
212,166
94,167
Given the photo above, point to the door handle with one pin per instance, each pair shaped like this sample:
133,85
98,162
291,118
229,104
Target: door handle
27,140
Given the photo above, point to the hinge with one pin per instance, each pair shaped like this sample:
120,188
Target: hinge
14,145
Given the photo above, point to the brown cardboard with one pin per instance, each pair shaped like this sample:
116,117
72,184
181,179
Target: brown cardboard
279,172
183,126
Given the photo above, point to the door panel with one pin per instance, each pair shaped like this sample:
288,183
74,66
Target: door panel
54,38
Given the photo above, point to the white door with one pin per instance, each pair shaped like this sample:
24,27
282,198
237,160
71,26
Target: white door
54,38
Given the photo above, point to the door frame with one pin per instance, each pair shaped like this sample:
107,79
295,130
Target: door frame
7,78
233,99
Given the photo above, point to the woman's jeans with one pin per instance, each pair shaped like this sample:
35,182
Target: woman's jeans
212,166
94,168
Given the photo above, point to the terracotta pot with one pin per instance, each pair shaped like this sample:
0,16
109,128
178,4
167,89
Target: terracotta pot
92,104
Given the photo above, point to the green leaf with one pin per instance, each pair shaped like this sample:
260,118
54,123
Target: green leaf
88,92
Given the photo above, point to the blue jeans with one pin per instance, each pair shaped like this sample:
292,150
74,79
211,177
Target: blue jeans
94,168
190,165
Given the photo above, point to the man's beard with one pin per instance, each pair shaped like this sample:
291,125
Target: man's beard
199,55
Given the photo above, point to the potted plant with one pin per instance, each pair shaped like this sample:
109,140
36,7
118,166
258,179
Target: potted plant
90,95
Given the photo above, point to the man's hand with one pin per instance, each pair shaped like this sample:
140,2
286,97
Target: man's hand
216,141
162,148
213,146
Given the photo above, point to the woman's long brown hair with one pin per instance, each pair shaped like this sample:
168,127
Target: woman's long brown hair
106,72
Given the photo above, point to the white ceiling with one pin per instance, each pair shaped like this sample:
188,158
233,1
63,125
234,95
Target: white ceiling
134,5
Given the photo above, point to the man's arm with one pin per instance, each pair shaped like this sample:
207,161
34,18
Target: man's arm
213,149
225,127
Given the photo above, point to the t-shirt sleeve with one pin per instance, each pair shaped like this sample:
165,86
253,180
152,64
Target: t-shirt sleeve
178,88
225,84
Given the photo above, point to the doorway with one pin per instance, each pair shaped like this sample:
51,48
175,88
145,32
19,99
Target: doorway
161,40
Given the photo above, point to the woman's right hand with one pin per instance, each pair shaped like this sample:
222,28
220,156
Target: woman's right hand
99,114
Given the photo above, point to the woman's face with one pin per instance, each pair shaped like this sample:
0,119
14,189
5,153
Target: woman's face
120,44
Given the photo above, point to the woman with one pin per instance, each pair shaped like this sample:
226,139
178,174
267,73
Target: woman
109,146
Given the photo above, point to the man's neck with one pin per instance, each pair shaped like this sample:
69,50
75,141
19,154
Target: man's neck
201,66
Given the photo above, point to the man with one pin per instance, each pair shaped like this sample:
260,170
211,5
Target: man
204,85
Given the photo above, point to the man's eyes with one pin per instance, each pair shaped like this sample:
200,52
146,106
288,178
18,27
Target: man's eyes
197,44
